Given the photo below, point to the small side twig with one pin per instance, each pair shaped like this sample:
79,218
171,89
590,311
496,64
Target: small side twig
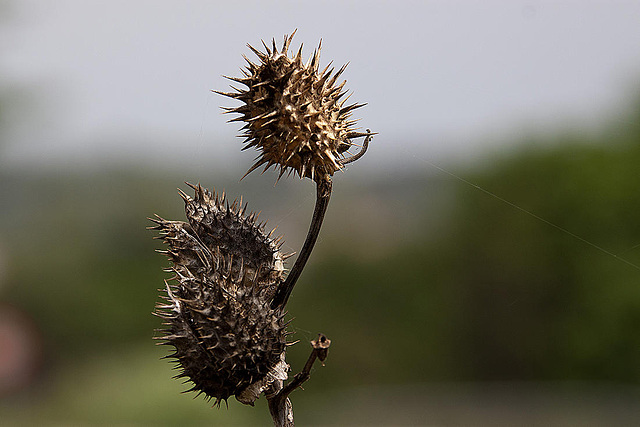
365,146
278,396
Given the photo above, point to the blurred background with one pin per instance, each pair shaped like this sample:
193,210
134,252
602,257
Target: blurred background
479,266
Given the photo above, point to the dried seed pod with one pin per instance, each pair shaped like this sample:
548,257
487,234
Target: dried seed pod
217,315
294,113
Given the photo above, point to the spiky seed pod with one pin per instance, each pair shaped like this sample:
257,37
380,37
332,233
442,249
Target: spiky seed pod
217,315
294,113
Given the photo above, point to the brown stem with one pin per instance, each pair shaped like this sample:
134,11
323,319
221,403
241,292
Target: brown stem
323,193
363,150
278,397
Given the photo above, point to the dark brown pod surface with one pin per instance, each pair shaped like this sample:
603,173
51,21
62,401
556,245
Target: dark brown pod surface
217,312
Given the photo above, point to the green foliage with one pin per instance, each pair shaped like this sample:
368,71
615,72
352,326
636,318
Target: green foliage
535,277
545,304
81,262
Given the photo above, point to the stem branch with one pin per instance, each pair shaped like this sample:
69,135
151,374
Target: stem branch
278,397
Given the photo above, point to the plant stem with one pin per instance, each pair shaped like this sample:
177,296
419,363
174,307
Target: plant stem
278,397
323,193
363,150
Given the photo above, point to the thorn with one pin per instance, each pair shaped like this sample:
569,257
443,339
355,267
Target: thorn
255,166
266,48
349,108
184,195
298,58
259,54
337,75
228,94
251,64
237,79
287,41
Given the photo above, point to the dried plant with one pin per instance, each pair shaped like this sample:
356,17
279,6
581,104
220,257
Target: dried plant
224,309
294,114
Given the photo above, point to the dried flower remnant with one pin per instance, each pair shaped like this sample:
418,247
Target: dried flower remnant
294,114
228,340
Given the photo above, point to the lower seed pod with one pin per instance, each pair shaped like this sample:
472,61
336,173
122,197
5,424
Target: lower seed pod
228,341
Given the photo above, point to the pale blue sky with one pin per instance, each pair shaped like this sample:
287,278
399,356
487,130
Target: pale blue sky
122,79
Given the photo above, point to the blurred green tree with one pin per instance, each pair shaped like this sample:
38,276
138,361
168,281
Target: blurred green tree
535,278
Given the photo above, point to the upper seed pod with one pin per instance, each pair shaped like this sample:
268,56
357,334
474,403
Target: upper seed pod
294,114
228,341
